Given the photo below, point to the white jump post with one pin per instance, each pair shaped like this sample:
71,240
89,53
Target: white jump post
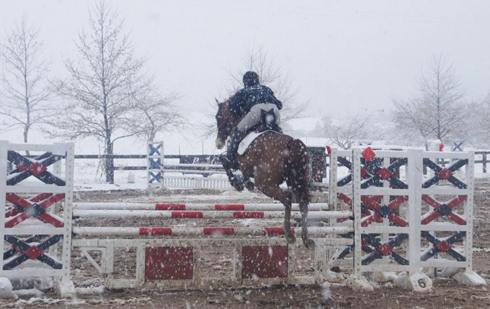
449,201
332,177
154,164
28,228
338,187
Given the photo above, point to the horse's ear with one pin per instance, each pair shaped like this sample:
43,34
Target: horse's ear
217,102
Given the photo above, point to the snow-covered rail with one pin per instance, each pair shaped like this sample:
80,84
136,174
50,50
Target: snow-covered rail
210,231
315,215
195,206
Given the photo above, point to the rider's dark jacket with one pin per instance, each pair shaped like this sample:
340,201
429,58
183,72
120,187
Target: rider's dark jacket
243,100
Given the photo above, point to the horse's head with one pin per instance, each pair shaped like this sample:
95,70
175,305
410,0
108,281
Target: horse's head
224,122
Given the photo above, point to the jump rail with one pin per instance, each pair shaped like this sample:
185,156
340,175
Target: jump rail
315,215
196,206
210,231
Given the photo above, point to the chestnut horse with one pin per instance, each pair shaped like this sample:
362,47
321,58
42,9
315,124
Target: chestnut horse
272,159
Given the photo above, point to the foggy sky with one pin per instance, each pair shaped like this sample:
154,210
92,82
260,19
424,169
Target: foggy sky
342,55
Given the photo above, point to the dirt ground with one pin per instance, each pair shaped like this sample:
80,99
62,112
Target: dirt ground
445,294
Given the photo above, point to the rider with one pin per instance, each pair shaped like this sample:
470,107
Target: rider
250,100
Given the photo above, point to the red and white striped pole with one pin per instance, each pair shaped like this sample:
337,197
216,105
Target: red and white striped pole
206,214
195,206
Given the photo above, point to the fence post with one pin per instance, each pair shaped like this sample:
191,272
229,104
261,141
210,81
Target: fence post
68,150
332,179
469,211
154,164
356,209
484,159
414,181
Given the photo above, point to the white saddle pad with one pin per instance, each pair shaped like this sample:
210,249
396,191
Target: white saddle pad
245,143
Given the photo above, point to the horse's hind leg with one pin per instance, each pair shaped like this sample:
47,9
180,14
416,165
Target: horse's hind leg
285,197
298,185
287,221
309,243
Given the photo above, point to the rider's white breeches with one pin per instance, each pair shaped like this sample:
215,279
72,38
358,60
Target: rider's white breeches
253,116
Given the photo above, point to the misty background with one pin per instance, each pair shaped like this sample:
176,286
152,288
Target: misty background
347,70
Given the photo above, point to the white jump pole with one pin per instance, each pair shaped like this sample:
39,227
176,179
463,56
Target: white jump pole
206,214
207,231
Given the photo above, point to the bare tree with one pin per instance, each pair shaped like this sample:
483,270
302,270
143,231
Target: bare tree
152,113
438,111
102,81
271,75
345,133
480,126
24,91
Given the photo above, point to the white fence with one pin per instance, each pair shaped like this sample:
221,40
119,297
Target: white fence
196,182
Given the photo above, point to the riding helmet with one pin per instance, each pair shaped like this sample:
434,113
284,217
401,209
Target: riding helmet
250,79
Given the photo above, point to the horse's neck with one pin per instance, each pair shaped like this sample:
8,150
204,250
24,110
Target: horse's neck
233,121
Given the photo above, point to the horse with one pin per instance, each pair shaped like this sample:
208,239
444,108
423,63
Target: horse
272,159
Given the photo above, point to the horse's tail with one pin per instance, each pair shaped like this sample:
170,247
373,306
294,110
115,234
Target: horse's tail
298,171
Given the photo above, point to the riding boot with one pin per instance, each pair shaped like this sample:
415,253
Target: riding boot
225,161
228,161
235,142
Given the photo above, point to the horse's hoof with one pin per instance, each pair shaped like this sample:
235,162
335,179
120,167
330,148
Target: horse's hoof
249,185
290,238
335,269
237,184
309,243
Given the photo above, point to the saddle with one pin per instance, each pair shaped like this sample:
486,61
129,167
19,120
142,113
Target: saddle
266,125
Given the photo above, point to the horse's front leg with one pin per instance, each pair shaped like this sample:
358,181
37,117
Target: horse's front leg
246,179
248,183
234,181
